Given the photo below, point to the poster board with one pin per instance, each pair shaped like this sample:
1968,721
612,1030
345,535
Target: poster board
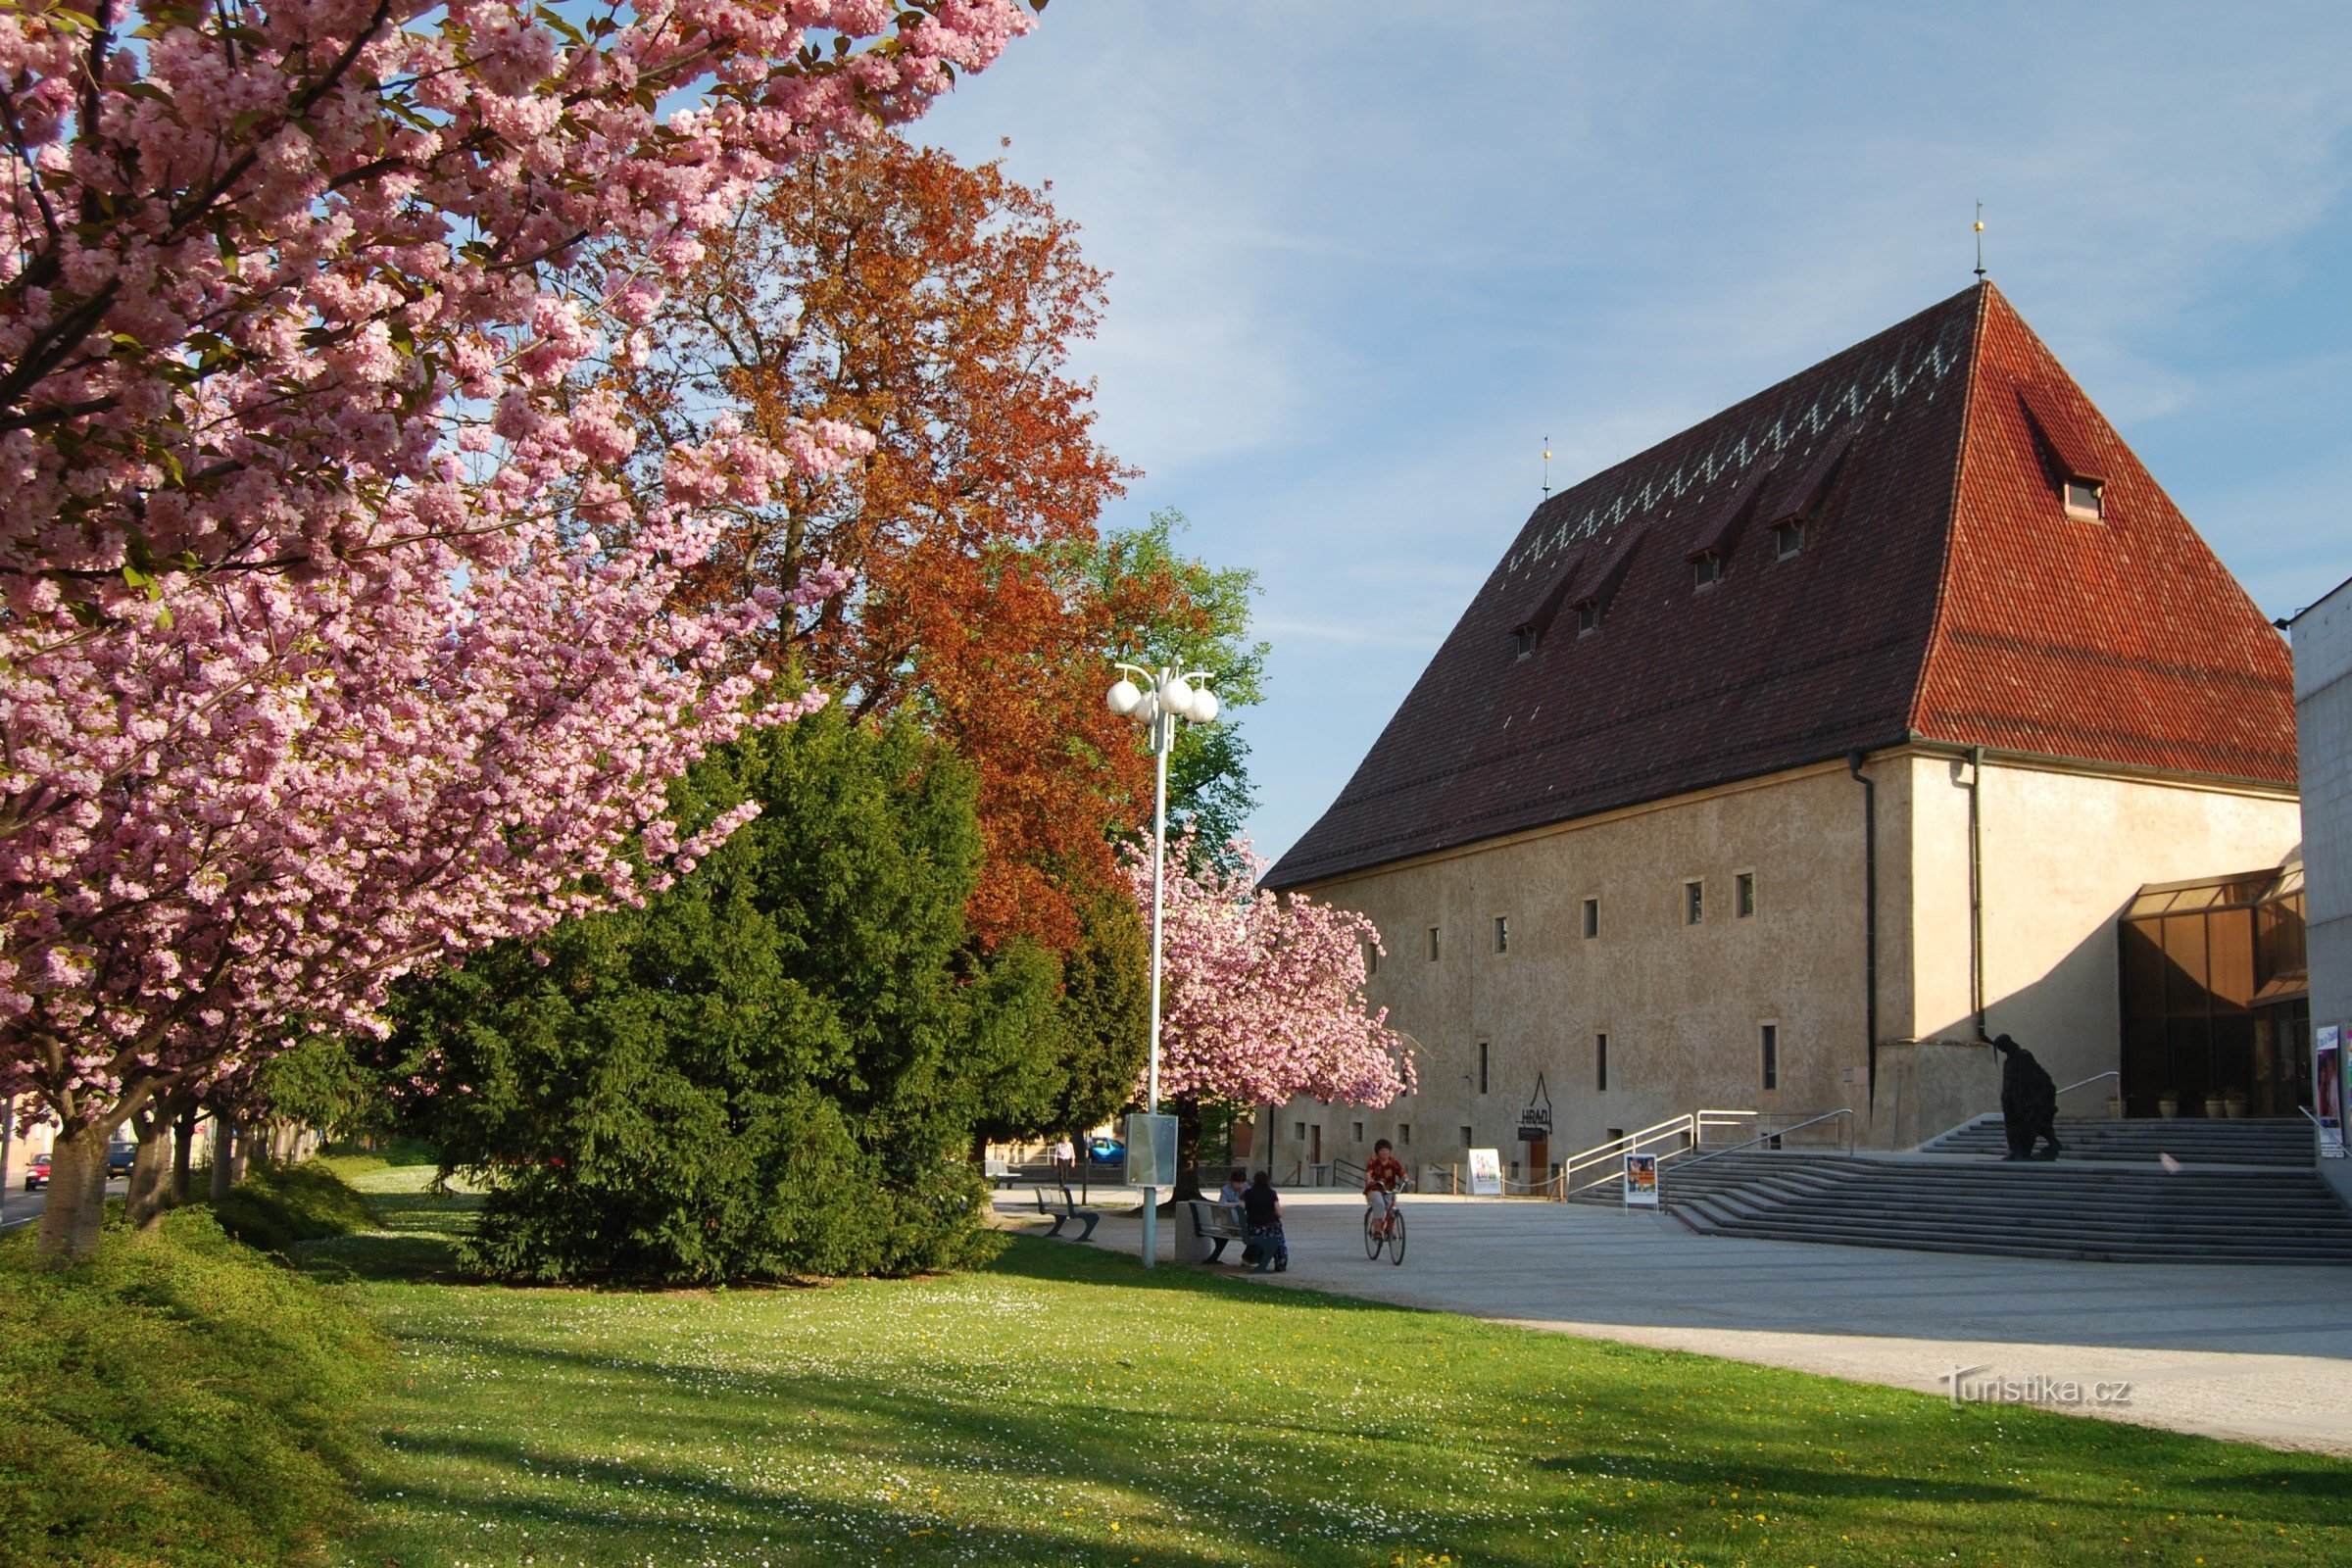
2327,1088
1486,1173
1641,1181
1151,1150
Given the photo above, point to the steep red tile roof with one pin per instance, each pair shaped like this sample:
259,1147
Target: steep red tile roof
1942,591
2121,640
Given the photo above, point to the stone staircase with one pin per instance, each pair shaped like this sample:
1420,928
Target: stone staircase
2240,1141
2221,1206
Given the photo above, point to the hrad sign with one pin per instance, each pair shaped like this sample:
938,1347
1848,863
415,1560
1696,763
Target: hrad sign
1486,1173
1641,1181
1534,1122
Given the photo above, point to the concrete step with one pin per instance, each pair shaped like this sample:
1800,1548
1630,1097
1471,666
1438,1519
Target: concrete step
2265,1141
2029,1210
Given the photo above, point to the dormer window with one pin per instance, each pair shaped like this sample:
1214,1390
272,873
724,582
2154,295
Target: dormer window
1587,618
2085,500
1788,539
1523,638
1706,571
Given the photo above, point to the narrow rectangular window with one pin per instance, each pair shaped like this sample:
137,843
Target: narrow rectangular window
1694,906
1600,1064
1482,1066
1433,944
1465,1138
1587,618
1744,895
1772,1055
1300,1134
1503,932
1591,917
1404,1132
1359,1132
1788,539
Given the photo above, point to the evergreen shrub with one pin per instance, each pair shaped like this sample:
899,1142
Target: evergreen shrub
773,1069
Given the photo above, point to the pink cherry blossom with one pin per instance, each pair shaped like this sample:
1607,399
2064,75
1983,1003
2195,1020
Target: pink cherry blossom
1262,994
311,671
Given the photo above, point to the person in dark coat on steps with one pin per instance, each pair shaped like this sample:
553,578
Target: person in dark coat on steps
2029,1101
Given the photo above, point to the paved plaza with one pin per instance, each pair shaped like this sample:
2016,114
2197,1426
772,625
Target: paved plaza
2259,1354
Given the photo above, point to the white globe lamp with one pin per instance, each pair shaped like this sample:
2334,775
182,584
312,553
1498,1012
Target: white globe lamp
1125,699
1205,706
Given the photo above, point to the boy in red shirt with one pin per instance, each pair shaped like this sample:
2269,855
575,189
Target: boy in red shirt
1383,1175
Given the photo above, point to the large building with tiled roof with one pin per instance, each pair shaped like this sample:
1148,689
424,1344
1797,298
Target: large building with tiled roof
1778,765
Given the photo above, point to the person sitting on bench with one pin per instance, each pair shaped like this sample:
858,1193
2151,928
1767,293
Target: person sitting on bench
1265,1211
1230,1198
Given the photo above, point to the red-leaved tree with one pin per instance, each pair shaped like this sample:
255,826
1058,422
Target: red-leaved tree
311,666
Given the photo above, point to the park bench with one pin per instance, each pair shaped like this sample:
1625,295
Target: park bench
1064,1212
1214,1222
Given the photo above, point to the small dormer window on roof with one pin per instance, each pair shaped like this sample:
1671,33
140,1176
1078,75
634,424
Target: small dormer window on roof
1587,618
1523,639
1706,571
1788,539
2086,499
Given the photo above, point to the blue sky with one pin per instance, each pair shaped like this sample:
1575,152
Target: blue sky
1367,255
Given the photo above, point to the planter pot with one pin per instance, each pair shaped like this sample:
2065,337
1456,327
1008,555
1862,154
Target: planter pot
2167,1105
2234,1103
2216,1108
2115,1107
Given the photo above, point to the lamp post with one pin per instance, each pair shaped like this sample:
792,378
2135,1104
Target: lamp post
1162,699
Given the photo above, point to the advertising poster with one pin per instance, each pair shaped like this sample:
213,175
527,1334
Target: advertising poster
1641,1181
2327,1088
1486,1173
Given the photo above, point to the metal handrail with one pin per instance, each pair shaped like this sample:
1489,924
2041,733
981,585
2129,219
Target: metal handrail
1762,1138
2111,1072
1340,1169
1691,1126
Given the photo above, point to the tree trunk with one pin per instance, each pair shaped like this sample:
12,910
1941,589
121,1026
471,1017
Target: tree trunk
150,1169
224,1176
76,1193
183,1153
1188,1151
240,1148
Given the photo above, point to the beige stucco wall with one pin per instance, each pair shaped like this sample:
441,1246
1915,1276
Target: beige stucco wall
1684,1006
2064,851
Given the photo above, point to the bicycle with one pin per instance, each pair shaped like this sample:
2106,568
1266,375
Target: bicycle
1385,1229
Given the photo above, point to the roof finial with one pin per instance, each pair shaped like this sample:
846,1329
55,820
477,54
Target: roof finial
1980,242
1548,468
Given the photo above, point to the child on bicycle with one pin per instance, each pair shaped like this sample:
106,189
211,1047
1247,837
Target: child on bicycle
1383,1175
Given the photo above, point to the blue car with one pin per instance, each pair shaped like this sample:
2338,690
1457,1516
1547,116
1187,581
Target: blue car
1106,1151
119,1157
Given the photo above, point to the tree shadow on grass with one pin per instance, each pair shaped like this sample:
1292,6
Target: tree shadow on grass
1780,1482
414,1238
1035,1257
668,1505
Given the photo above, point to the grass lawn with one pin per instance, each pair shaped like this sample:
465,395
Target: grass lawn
1063,1407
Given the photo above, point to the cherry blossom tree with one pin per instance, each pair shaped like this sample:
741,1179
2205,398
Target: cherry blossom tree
312,667
1262,994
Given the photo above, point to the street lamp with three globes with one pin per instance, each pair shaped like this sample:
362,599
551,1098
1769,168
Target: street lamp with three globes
1157,700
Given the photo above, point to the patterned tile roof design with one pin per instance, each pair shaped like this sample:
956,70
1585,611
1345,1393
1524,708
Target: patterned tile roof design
1940,592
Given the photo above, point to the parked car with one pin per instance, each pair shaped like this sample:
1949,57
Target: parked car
36,1173
119,1157
1106,1151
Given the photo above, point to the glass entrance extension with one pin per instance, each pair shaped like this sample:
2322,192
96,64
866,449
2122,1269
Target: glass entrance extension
2216,998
